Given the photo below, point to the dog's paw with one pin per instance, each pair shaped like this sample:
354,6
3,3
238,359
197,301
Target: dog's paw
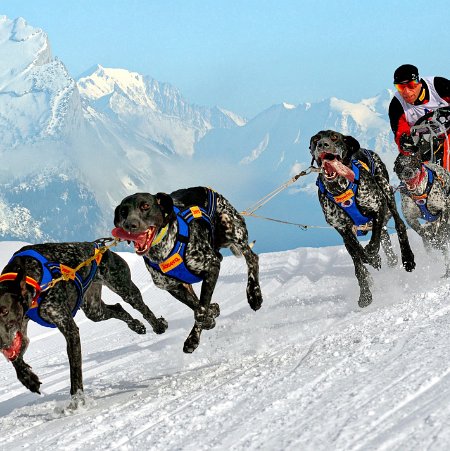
365,299
208,323
254,298
409,264
214,309
372,248
30,380
136,326
191,343
160,326
204,318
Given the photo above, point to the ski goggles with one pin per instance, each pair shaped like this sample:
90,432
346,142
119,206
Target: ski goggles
407,84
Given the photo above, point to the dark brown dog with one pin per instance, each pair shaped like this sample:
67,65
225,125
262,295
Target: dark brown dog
354,190
27,273
180,236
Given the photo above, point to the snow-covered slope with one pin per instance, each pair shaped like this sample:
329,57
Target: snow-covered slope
308,371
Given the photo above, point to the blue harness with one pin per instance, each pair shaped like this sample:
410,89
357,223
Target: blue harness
51,270
347,199
174,265
422,200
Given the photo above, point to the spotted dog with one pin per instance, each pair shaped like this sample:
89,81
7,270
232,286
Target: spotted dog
424,192
24,295
180,236
354,192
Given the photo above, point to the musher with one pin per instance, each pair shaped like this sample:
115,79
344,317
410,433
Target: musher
415,98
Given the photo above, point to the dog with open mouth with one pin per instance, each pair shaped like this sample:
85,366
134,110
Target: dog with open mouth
180,236
424,193
27,292
354,193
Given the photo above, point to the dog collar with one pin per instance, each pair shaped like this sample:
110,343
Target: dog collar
11,276
160,236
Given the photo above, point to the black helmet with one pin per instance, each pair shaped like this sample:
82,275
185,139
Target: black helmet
405,73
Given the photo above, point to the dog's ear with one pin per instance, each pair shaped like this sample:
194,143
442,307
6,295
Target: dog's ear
351,143
117,216
165,203
313,141
21,281
312,146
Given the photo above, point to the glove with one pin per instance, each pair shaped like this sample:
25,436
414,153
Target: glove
407,144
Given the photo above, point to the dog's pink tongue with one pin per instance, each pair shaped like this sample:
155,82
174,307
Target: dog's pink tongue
139,238
339,168
13,351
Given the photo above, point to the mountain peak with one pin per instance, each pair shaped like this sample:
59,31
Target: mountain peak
288,106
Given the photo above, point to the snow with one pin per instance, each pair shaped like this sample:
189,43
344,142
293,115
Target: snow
288,106
308,371
361,113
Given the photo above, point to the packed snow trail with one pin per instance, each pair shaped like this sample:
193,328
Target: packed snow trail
310,370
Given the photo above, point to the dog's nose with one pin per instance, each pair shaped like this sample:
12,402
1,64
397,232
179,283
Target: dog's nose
323,144
131,226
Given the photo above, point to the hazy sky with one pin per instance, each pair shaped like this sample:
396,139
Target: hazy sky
246,55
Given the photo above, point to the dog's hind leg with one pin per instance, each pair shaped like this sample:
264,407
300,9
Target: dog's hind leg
96,310
187,296
232,233
254,295
116,275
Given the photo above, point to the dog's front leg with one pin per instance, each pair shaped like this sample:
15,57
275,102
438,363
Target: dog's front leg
55,311
72,335
373,247
352,243
405,249
24,373
443,234
386,244
204,316
362,275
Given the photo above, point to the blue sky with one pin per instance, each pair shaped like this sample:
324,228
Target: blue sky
247,55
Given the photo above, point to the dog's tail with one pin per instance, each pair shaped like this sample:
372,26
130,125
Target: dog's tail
237,251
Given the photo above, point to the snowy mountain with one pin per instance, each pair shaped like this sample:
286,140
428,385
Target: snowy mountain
156,113
38,98
71,150
309,371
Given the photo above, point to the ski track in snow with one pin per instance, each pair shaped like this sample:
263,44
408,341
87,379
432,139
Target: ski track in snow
310,370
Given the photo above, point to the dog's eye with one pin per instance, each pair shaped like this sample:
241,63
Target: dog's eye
3,311
145,206
123,212
334,137
315,139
